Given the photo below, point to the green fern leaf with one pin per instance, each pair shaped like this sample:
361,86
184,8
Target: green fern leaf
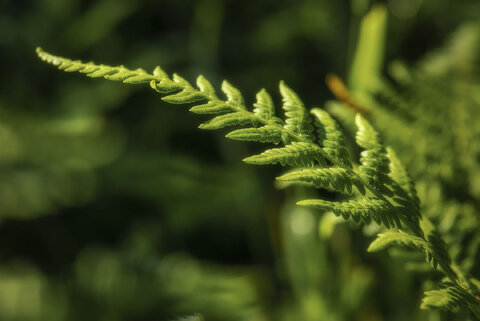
237,118
380,173
120,73
212,108
295,154
233,94
264,106
334,178
266,134
390,238
164,86
187,95
374,157
206,87
330,136
431,250
364,209
297,119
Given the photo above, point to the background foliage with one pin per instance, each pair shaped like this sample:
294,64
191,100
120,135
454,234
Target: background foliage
113,206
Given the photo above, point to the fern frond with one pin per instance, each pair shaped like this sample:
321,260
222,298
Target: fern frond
364,209
296,133
391,200
451,296
334,178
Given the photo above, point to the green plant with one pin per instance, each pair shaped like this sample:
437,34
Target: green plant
377,189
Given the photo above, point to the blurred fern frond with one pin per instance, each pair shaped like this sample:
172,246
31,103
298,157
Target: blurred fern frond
429,114
451,297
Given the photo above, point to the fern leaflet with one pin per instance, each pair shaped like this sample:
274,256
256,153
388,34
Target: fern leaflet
451,296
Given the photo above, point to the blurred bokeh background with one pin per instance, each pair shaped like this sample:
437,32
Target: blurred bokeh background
114,206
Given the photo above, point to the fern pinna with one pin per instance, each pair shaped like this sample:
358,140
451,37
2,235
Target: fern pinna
379,188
